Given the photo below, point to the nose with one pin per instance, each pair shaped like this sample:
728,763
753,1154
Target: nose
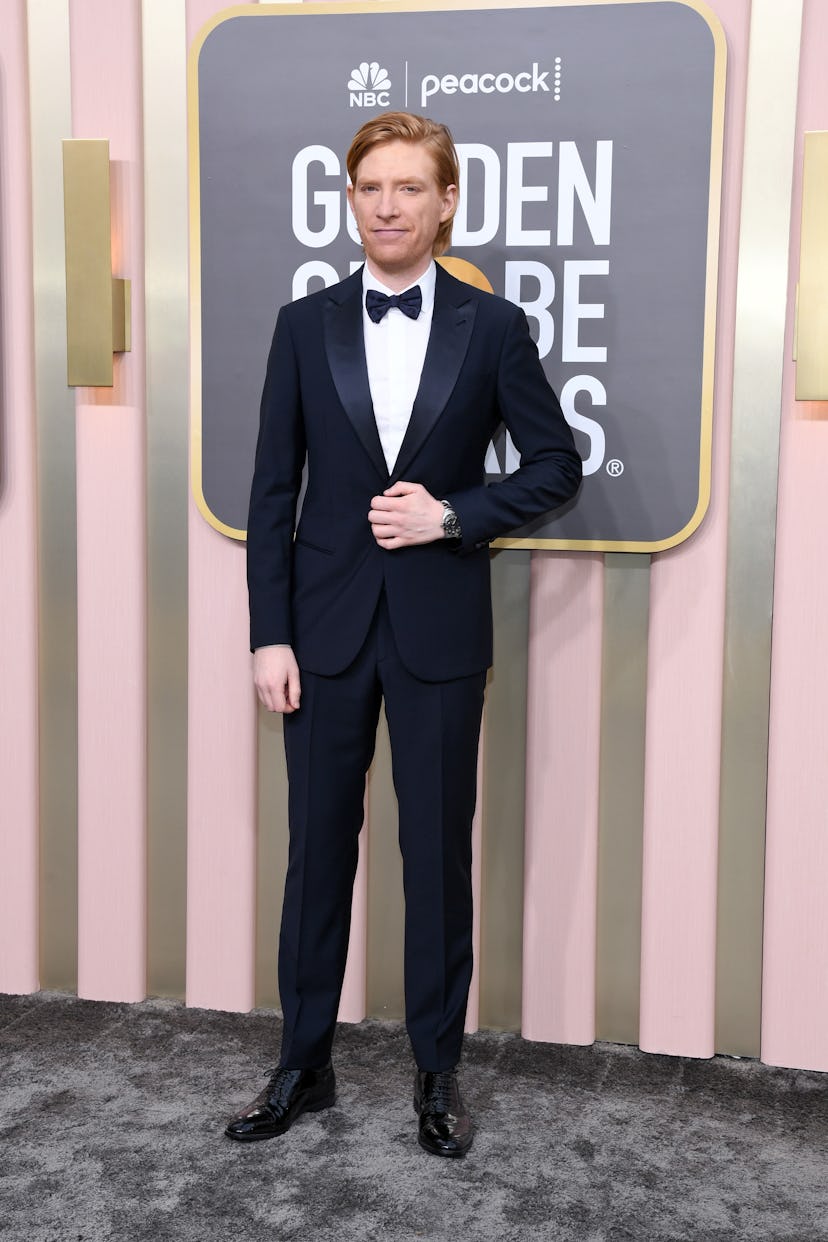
387,206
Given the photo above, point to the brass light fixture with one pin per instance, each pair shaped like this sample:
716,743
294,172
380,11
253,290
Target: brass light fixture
811,332
98,308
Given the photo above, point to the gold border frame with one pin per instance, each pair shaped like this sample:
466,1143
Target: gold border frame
324,8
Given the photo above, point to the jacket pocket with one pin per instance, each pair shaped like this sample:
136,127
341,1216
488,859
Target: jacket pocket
315,547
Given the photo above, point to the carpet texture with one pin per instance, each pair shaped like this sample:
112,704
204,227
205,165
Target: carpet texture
111,1121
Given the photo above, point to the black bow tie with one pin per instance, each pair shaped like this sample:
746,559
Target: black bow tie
378,304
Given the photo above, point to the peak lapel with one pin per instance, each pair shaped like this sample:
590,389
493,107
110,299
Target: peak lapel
448,343
345,347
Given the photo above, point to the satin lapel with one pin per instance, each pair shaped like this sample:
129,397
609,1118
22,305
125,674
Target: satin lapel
345,348
448,343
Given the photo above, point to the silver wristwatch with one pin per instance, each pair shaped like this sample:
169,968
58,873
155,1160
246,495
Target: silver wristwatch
451,522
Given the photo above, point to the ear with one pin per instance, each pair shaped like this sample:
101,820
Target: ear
449,203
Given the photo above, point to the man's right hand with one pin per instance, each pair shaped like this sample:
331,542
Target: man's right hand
276,677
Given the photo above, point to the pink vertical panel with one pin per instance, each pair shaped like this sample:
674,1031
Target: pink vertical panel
111,513
18,529
562,755
794,998
111,704
681,792
687,603
221,860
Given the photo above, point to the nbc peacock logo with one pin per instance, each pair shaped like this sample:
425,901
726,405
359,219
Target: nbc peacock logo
369,86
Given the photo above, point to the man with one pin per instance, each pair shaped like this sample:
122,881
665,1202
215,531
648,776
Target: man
390,386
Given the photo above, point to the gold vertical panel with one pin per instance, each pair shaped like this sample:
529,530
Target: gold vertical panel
271,854
88,232
51,122
386,907
621,803
167,299
121,315
812,303
759,349
504,797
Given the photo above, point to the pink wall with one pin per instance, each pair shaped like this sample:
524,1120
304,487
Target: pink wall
684,692
105,41
562,745
795,1000
222,756
18,535
684,698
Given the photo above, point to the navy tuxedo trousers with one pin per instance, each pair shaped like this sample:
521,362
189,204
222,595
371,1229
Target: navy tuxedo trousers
329,743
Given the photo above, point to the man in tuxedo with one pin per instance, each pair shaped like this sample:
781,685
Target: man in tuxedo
389,386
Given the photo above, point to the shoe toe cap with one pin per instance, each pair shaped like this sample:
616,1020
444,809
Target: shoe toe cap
444,1136
255,1123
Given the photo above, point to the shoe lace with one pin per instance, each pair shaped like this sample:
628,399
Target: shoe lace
280,1084
443,1090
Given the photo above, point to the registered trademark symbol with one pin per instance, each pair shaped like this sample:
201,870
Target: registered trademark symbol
615,468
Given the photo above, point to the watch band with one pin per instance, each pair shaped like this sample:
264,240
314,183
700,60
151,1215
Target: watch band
451,522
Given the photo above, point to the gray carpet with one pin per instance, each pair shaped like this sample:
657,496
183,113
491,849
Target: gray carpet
112,1115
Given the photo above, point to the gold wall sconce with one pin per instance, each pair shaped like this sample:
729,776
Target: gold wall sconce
98,305
811,332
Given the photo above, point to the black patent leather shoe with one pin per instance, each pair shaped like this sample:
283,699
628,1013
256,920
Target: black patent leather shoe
289,1093
445,1126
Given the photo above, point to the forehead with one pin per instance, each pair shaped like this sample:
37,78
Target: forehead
398,160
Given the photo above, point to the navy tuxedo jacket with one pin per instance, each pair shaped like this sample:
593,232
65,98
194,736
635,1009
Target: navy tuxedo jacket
319,590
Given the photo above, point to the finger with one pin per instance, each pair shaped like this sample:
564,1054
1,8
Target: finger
385,504
386,535
395,511
270,700
378,519
271,696
402,489
294,689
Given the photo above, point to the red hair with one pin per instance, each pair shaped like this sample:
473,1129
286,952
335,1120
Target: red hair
406,127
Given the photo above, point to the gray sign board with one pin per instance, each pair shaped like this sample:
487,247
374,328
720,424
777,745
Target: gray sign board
590,145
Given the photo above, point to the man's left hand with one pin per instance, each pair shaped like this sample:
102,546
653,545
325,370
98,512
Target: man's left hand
406,514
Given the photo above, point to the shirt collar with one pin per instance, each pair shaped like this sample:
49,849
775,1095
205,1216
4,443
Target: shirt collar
427,282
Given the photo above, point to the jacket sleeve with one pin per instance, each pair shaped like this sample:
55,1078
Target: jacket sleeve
550,466
277,478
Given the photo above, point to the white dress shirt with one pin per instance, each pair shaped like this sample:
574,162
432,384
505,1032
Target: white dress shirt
395,350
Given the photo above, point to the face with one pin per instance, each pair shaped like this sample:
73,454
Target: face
399,207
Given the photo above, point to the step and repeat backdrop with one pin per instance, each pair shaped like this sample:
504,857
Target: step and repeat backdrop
590,141
637,878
